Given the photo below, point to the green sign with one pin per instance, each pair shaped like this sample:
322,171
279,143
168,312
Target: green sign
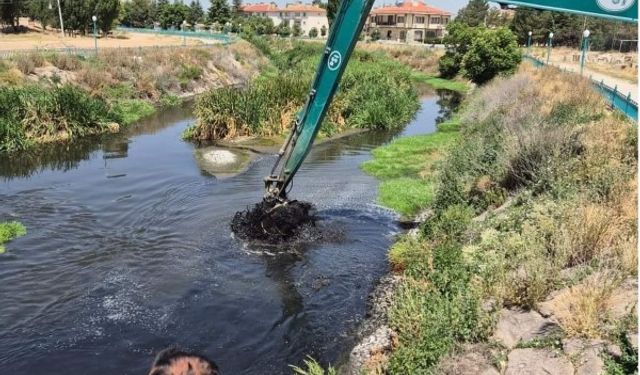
622,10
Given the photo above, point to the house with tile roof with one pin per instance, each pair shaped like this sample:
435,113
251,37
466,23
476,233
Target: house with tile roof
409,21
306,16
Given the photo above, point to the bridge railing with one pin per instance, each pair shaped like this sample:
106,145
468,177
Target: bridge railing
615,98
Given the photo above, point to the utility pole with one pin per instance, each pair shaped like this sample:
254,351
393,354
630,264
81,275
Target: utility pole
61,23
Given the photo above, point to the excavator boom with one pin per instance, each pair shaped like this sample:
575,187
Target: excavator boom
342,39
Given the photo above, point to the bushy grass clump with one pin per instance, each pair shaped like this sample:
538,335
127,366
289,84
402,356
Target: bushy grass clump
268,105
440,83
131,110
34,113
537,195
10,230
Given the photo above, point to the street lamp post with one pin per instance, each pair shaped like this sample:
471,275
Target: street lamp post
95,34
549,47
529,43
585,47
184,35
61,23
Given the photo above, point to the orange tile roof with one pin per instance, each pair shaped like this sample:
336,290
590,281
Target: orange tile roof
259,7
271,7
410,7
303,8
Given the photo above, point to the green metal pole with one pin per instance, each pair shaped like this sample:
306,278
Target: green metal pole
549,47
95,35
585,47
626,105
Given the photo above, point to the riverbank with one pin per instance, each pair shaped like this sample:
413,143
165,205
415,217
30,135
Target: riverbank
526,256
116,86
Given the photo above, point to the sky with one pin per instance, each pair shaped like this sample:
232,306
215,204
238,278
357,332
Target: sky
449,5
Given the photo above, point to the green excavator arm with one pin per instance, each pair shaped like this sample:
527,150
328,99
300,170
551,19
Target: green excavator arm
342,39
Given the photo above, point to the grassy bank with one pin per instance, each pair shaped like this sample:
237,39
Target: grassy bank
115,86
10,230
534,204
376,92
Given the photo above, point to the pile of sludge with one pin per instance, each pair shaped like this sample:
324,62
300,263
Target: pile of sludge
273,222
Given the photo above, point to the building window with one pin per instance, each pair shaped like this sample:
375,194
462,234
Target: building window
419,19
400,19
435,20
304,14
297,14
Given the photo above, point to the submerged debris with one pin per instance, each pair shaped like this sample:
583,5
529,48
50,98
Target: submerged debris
273,222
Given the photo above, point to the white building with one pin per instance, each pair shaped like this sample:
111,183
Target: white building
305,15
409,21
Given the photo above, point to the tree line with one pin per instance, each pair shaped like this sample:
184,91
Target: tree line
567,28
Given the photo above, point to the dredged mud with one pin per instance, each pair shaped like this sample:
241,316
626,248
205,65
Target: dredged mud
273,223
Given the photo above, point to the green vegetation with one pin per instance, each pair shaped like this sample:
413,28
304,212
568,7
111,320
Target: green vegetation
536,195
405,167
479,53
10,230
32,113
440,83
313,368
268,105
76,96
129,111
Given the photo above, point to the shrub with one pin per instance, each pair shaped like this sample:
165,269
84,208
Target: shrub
492,52
313,33
9,231
65,61
190,73
448,66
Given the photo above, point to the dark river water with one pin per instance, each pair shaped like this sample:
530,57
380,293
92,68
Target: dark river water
129,251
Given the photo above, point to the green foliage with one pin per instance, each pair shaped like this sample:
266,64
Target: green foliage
107,11
296,30
169,100
65,111
131,110
283,30
474,13
313,368
10,230
323,30
479,53
190,73
401,164
266,106
492,52
313,33
196,13
137,13
448,65
439,83
257,25
172,14
219,12
627,363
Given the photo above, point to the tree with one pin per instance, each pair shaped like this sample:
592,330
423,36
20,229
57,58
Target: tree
323,30
458,41
375,34
137,13
332,9
474,13
236,7
492,52
296,30
283,30
313,32
38,10
11,11
219,12
196,13
107,12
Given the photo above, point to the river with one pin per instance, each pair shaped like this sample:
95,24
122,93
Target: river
129,251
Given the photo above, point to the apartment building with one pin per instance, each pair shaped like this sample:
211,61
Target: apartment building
304,15
410,21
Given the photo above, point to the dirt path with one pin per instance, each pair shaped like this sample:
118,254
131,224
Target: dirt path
624,86
50,40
